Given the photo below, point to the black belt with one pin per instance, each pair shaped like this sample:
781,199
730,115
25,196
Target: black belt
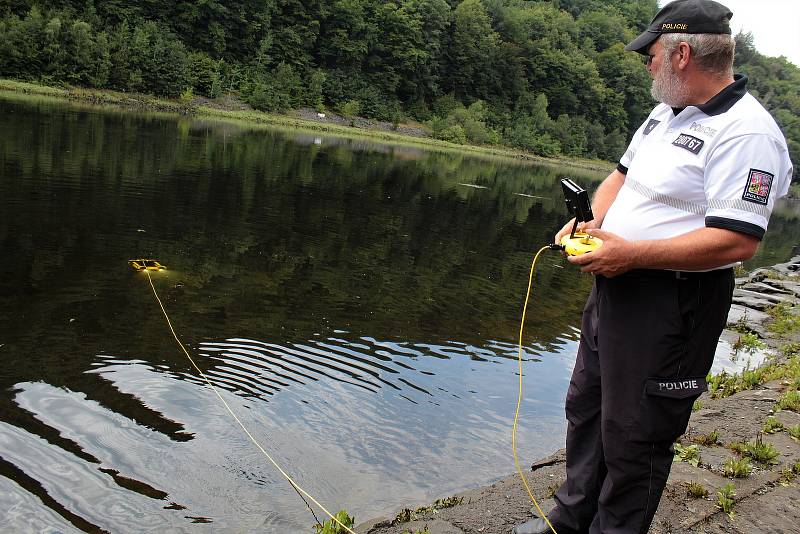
678,275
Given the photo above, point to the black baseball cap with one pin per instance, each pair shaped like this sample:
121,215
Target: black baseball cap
684,16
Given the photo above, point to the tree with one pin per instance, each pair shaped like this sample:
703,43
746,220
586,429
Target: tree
530,126
295,29
435,16
625,75
604,27
473,48
345,35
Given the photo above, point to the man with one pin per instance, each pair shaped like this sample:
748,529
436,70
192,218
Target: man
690,198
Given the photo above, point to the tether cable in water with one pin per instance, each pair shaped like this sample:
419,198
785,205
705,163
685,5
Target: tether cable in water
300,491
519,397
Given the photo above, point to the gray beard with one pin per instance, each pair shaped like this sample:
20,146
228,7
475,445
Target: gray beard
668,88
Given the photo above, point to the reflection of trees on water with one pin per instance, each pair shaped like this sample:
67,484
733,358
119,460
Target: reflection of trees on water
359,233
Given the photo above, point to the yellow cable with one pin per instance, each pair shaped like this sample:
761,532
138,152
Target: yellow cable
249,435
519,398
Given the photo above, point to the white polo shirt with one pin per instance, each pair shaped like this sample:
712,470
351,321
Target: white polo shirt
722,164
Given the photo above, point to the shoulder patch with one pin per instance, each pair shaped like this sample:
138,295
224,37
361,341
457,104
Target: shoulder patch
689,142
758,186
651,126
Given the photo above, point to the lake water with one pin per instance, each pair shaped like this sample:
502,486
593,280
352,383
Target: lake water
356,304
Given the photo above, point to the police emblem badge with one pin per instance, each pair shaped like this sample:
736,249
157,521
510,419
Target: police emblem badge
651,126
758,186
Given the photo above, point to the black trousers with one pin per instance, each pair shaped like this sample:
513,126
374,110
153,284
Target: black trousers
647,343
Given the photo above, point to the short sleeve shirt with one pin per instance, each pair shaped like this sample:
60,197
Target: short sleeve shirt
722,164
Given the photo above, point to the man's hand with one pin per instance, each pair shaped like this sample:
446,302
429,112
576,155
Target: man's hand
616,255
698,250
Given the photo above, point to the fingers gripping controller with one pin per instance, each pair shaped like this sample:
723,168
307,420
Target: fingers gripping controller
577,200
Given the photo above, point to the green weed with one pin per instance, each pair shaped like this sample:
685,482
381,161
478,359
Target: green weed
789,401
408,515
423,531
739,271
738,446
763,453
721,385
737,468
794,431
784,320
687,453
787,476
741,326
790,349
725,499
696,491
697,405
186,96
724,384
332,527
708,439
748,343
772,426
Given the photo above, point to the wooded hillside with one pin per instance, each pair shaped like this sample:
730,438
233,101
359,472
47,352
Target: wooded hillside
547,76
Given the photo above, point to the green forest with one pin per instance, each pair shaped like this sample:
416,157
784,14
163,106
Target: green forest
549,76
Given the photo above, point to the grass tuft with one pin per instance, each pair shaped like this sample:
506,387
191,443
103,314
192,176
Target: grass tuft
696,490
772,426
725,500
708,439
789,401
737,468
738,446
332,527
687,453
408,515
725,384
784,319
787,476
763,453
748,343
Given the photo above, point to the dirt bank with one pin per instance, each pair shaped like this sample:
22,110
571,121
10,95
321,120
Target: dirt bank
720,431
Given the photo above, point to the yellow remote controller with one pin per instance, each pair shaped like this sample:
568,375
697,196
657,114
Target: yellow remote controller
580,243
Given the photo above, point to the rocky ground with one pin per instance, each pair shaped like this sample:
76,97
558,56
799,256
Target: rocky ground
766,501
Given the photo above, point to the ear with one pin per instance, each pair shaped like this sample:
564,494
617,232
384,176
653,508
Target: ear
684,55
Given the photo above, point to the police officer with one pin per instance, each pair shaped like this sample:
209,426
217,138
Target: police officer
690,198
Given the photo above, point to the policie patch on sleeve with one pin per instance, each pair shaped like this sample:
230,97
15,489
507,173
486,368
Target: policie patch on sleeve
689,142
758,186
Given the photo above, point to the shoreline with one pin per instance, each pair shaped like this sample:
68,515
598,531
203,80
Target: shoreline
738,411
232,110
